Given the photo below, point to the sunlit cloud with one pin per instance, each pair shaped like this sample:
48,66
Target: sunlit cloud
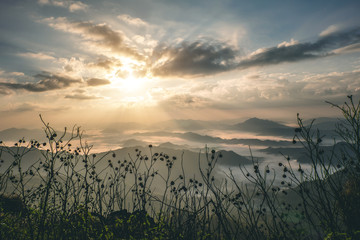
18,74
39,56
330,30
259,89
132,21
287,44
77,6
185,101
180,61
30,107
105,63
4,90
99,35
72,6
348,49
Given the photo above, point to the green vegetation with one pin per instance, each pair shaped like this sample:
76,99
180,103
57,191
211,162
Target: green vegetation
64,194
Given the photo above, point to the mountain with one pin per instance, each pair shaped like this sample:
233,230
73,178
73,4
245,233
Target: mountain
14,134
195,137
327,126
264,127
134,143
230,158
170,145
28,157
189,159
302,155
323,123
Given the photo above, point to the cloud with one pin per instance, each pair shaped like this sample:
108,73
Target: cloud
199,58
25,107
17,74
132,21
40,55
100,35
43,2
81,96
287,44
276,55
260,90
294,51
348,49
330,30
11,74
97,82
30,107
72,6
185,101
47,82
193,59
4,90
279,89
77,6
105,63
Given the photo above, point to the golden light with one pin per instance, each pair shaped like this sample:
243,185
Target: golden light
130,78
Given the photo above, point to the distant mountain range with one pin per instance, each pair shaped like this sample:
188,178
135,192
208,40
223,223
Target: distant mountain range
195,137
15,134
264,127
191,159
188,130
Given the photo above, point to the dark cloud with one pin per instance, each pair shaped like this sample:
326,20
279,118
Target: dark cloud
101,35
281,54
104,63
47,82
108,37
97,82
206,58
193,59
323,47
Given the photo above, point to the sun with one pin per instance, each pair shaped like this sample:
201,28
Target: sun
130,77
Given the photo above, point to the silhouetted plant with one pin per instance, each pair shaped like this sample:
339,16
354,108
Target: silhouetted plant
68,193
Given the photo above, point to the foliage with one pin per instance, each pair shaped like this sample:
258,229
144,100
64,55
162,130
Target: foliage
65,195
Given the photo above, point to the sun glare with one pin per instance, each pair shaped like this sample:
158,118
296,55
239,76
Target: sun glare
130,77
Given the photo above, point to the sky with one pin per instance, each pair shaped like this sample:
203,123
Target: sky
95,63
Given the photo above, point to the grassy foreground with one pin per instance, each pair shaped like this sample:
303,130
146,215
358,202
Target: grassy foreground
65,195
